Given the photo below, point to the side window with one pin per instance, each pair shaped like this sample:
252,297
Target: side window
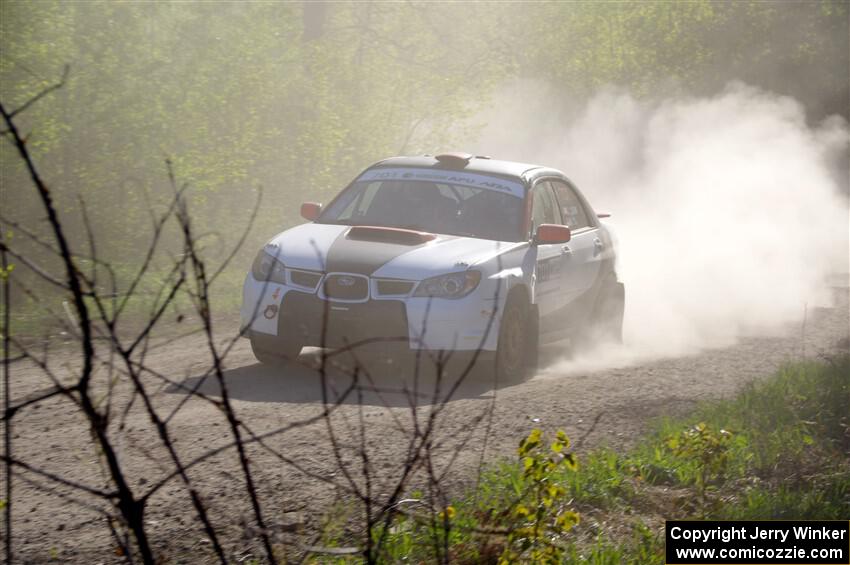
572,210
543,206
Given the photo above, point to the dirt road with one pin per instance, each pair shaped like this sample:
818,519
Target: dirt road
49,524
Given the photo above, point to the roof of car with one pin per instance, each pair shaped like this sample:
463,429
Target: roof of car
476,164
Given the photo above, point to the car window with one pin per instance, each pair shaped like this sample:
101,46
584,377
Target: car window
357,206
543,207
462,204
572,209
457,193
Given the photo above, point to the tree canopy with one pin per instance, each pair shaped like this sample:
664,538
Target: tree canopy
298,97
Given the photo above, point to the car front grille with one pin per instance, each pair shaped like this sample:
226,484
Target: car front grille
316,322
346,287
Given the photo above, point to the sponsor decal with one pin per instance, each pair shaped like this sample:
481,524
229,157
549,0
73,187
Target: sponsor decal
550,268
276,294
449,177
270,311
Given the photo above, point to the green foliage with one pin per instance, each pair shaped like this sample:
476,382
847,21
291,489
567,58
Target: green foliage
237,96
4,273
603,481
522,510
521,513
538,521
708,451
798,48
241,95
638,45
642,548
823,496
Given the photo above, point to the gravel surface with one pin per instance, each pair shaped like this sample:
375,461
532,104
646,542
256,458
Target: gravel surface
54,522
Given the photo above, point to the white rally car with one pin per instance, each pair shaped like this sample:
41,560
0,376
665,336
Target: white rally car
452,252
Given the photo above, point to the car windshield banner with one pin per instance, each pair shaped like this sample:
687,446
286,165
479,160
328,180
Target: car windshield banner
458,178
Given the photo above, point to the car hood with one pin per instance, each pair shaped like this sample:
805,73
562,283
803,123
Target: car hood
331,248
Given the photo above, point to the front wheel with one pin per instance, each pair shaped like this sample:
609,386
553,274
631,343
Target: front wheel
516,353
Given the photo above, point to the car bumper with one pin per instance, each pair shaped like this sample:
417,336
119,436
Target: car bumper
466,324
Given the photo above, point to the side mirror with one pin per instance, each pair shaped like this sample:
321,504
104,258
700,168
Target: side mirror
552,233
311,210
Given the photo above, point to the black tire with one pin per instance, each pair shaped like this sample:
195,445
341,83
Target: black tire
516,353
274,351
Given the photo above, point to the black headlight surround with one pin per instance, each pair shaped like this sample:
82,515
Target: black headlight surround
267,267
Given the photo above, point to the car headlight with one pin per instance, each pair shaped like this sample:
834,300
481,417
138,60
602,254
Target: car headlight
454,285
268,268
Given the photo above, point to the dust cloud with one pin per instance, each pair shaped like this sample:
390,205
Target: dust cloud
731,211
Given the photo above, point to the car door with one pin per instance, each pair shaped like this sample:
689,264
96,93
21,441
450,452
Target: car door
549,259
582,261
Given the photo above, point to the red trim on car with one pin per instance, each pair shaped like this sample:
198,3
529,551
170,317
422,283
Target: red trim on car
393,235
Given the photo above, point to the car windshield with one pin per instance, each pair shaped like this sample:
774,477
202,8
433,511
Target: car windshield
437,201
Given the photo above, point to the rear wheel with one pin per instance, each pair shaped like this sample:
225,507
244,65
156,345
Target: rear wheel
516,353
274,351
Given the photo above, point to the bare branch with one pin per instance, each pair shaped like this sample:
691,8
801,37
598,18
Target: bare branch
39,96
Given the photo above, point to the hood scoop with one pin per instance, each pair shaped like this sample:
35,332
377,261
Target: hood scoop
382,234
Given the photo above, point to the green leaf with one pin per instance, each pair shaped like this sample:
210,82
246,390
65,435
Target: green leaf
566,520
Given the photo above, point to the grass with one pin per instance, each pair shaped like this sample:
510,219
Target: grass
780,449
43,314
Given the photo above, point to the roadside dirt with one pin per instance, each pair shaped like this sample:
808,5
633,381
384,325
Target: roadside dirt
50,523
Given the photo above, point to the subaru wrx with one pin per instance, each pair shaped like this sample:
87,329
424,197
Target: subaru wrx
451,252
